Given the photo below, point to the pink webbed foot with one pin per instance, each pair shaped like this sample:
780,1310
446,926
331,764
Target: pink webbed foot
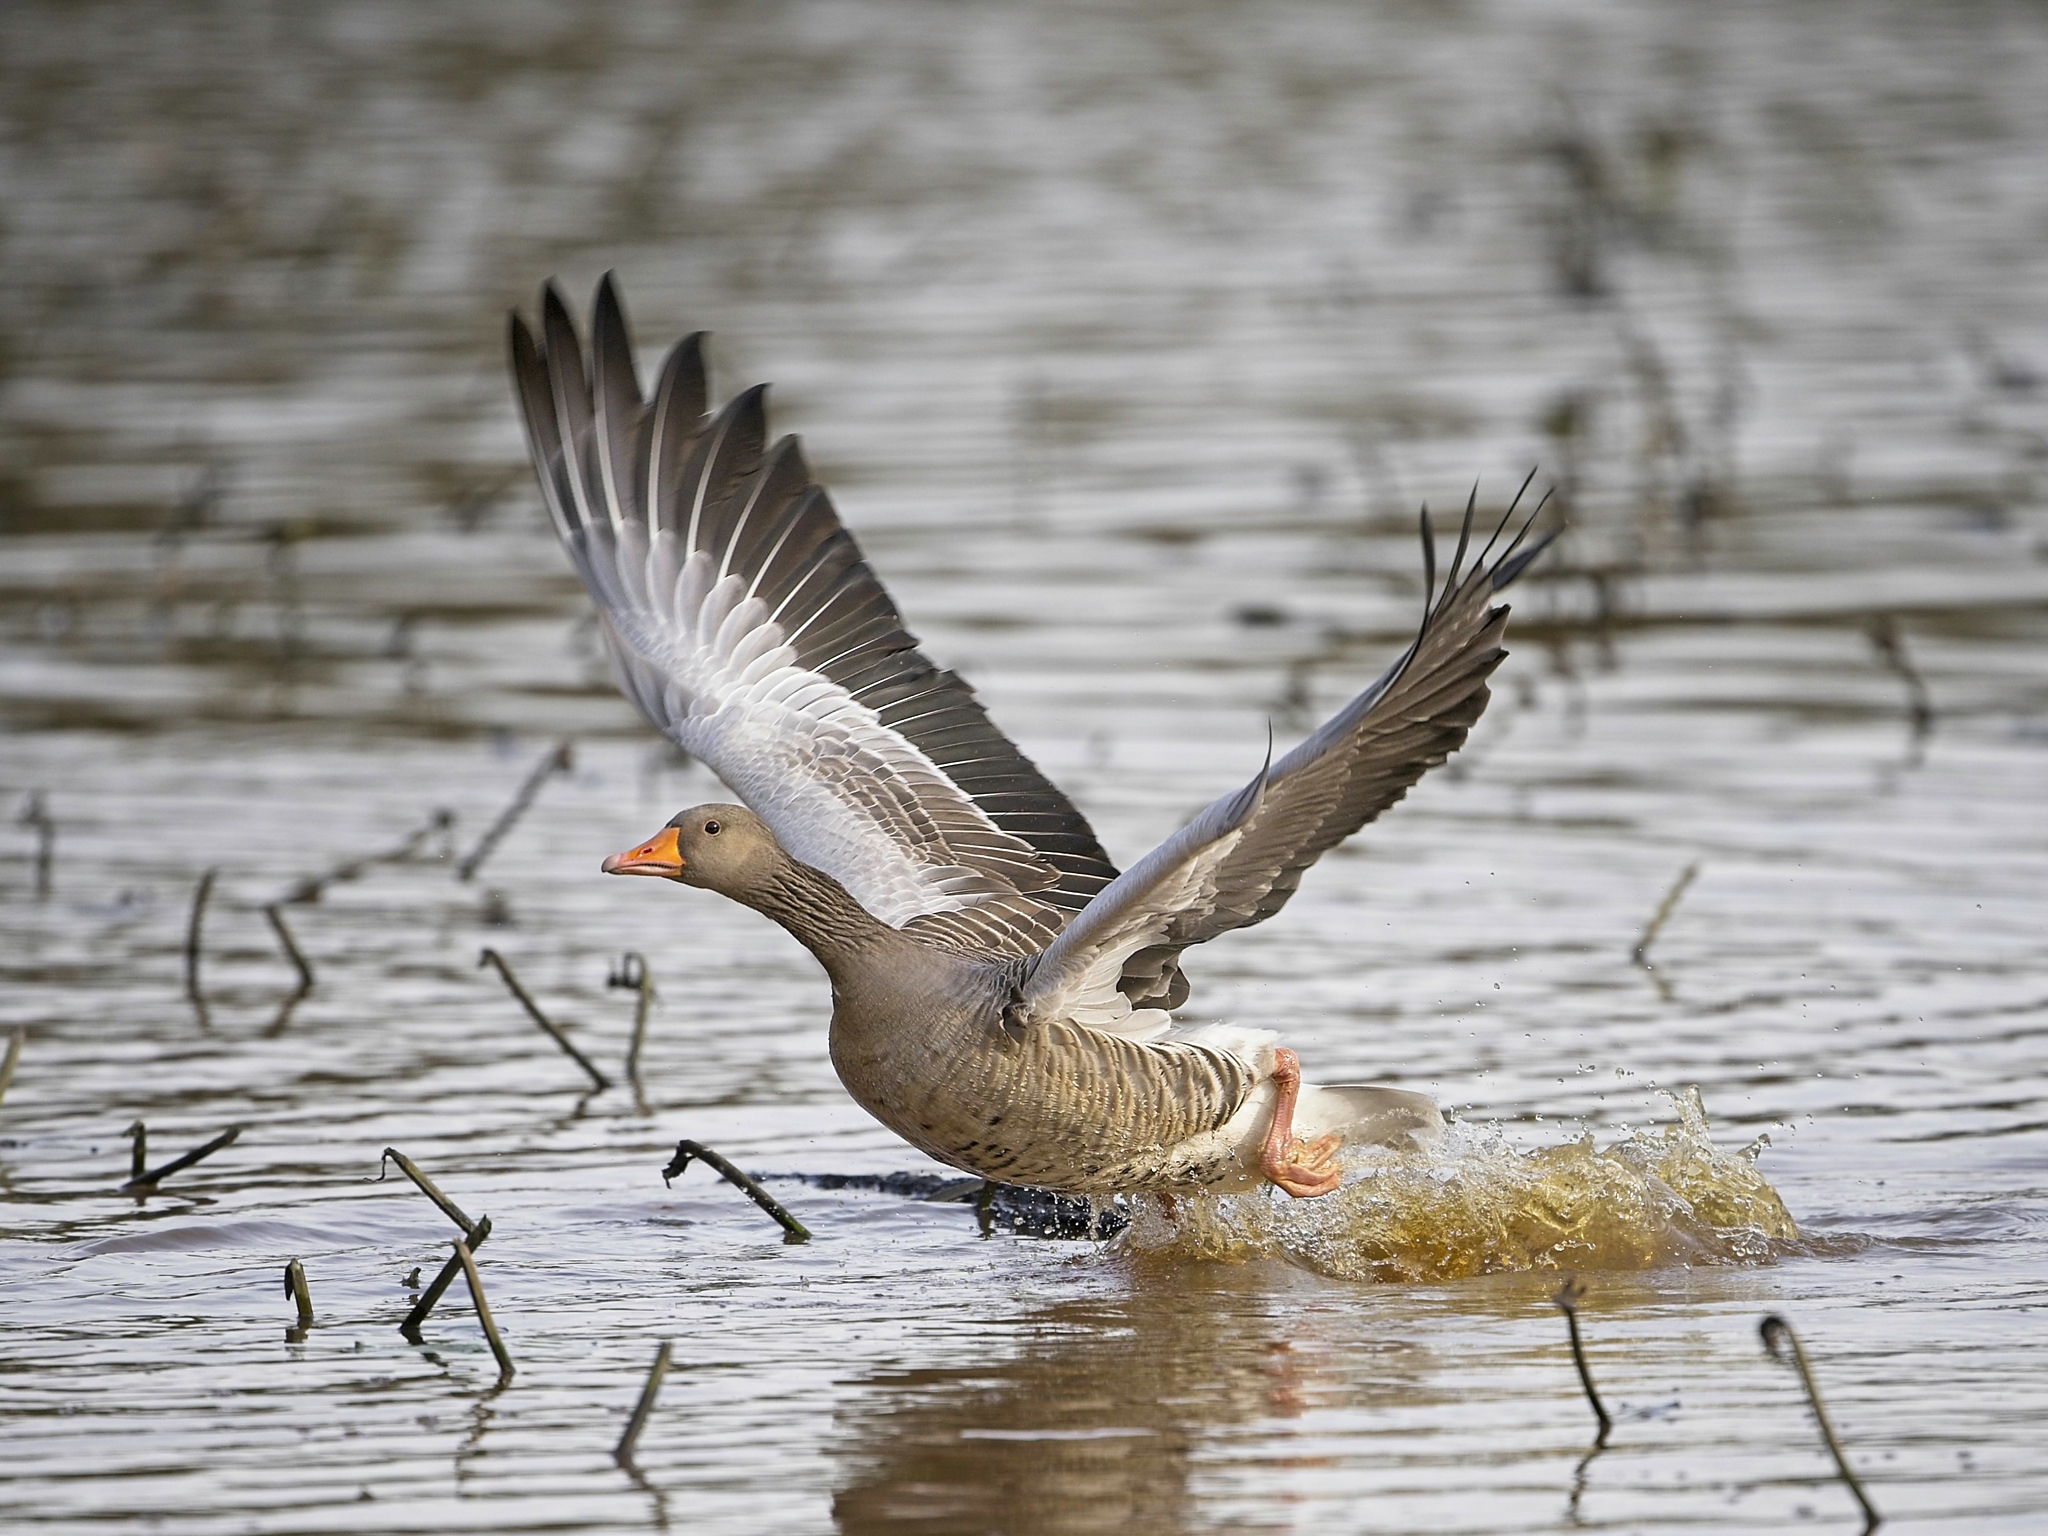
1304,1169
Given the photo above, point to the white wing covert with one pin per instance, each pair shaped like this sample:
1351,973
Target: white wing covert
1077,980
745,626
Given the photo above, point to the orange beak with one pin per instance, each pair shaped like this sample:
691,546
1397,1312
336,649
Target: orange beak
657,856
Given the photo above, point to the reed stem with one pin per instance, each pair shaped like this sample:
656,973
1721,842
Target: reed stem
1567,1299
1890,646
649,1389
430,1297
311,888
193,925
560,759
36,813
492,957
632,972
796,1231
483,1308
1775,1330
295,1288
149,1180
1641,953
427,1187
11,1060
291,948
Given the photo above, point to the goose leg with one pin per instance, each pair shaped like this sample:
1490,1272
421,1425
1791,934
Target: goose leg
1303,1169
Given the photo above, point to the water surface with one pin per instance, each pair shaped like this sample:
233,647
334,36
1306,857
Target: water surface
1129,347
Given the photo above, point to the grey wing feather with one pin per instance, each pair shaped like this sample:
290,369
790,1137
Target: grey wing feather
1241,858
1076,979
636,487
1361,761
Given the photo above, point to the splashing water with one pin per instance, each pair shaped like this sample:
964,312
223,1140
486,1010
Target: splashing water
1473,1205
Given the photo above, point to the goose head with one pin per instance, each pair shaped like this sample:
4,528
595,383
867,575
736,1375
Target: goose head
723,848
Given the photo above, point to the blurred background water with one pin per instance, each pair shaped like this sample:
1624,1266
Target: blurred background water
1128,342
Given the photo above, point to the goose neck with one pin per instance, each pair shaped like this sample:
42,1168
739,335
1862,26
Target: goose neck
822,915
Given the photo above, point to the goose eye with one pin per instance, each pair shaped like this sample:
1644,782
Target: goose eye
711,827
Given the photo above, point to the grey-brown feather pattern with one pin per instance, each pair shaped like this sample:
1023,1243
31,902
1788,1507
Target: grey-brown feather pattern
1360,762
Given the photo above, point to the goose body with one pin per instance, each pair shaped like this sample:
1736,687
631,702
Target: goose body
1002,998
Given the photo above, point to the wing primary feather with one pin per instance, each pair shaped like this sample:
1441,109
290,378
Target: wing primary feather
544,439
571,390
795,521
893,711
813,541
1248,800
785,456
1429,605
1428,565
722,431
1508,568
676,417
1464,538
847,580
659,504
820,561
616,389
1360,762
1509,515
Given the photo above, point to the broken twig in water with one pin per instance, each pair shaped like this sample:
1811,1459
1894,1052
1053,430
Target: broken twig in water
632,972
295,1288
7,1065
483,1308
155,1176
35,813
623,1452
794,1230
492,957
138,1150
473,1231
1890,646
299,962
291,948
193,927
434,1292
1776,1330
1567,1301
1641,953
312,887
560,759
427,1187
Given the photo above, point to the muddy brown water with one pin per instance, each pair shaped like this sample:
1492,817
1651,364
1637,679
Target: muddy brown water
1128,346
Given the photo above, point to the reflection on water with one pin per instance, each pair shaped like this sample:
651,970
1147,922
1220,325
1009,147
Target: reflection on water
1109,1414
1473,1204
1128,340
1093,1424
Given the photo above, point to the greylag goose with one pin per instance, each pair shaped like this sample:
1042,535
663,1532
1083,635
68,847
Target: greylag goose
1002,998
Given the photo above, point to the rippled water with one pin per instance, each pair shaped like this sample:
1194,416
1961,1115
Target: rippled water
1128,346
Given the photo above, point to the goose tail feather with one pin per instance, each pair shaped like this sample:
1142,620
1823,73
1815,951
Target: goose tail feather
1368,1116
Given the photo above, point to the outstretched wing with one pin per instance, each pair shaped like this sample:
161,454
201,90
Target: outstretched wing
1240,859
744,624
